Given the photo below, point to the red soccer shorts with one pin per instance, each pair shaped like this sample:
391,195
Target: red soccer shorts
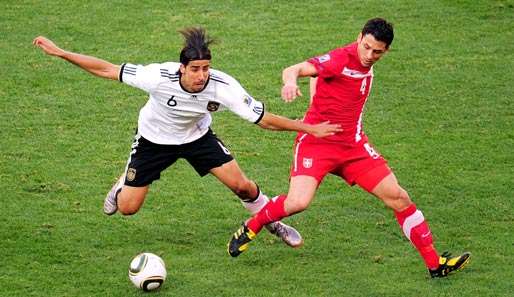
359,164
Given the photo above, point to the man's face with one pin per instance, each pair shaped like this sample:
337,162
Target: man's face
195,75
369,49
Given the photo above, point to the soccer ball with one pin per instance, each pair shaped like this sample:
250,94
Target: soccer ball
147,271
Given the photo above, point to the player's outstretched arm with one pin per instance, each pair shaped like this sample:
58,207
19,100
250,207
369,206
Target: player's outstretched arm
290,76
91,64
272,121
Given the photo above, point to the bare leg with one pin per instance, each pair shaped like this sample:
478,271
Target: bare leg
233,177
130,199
411,219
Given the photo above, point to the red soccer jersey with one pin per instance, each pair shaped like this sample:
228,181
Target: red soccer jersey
341,91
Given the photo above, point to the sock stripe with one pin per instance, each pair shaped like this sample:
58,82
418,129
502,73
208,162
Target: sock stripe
412,221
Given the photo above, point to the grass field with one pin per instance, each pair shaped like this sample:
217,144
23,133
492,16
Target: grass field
441,111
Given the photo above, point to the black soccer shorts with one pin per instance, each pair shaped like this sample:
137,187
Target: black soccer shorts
147,159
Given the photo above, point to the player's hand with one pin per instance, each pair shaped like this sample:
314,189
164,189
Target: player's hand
325,129
290,92
47,46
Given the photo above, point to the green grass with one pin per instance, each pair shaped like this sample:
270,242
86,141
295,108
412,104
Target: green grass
441,112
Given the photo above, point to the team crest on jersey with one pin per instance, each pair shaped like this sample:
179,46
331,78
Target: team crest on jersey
212,106
324,58
307,162
131,174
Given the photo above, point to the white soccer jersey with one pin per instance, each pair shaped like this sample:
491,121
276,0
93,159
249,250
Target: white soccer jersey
173,115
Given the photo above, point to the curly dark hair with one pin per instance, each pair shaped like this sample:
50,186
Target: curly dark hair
381,29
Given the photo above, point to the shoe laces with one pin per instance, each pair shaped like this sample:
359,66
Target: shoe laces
447,256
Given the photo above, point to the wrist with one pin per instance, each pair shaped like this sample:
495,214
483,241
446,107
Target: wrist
61,53
308,128
290,84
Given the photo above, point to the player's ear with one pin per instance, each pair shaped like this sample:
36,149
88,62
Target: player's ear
359,37
387,47
182,68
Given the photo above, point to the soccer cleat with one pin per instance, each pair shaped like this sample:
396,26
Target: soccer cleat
288,234
239,241
111,200
447,264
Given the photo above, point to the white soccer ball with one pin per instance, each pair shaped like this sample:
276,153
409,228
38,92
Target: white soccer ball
147,271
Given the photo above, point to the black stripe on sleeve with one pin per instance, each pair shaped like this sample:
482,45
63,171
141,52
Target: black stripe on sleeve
218,80
169,75
130,70
262,114
257,109
172,77
120,75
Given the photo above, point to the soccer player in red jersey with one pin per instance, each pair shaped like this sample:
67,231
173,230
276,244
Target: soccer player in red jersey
343,81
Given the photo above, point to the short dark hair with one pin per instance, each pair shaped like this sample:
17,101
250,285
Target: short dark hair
196,45
381,29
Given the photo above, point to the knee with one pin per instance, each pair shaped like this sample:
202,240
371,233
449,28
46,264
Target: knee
128,206
301,206
397,199
295,204
127,210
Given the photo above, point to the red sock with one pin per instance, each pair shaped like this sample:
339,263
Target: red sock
417,231
273,211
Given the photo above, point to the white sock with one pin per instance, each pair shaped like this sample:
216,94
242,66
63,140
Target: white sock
256,205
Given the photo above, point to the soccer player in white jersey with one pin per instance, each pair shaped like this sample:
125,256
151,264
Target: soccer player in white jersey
175,123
